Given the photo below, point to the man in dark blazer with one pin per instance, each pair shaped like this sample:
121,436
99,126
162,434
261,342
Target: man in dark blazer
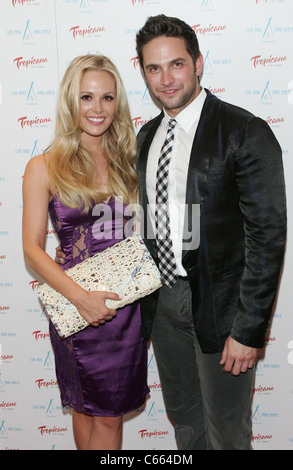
208,327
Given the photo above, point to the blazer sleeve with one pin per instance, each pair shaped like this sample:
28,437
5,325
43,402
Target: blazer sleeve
260,181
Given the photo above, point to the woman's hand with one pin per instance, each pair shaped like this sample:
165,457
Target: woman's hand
93,309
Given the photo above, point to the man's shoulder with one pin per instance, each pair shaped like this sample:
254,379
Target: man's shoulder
228,109
147,128
149,124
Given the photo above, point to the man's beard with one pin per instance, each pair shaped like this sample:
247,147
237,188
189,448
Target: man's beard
181,101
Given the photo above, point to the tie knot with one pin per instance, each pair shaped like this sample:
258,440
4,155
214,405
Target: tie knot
172,123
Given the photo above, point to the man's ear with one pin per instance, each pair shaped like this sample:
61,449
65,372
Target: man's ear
199,65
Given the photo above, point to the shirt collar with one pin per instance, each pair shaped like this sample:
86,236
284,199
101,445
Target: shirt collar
187,117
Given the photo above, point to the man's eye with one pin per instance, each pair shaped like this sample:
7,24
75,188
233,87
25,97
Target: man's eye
152,69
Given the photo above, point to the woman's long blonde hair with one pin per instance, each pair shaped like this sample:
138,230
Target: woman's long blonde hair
71,165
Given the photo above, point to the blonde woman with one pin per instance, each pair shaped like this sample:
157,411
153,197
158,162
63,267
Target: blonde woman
101,370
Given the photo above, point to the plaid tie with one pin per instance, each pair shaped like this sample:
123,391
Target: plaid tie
167,263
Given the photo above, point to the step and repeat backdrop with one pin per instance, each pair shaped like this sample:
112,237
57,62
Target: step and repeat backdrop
248,57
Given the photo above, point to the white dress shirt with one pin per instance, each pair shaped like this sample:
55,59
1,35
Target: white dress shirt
187,121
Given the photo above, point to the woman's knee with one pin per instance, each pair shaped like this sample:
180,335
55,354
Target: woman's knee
108,422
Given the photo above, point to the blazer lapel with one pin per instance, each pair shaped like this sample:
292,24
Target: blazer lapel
201,151
200,157
145,138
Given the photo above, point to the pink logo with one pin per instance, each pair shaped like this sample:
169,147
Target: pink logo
78,32
217,90
263,389
149,434
135,2
139,122
26,63
4,308
36,122
274,121
203,30
54,430
21,2
134,61
258,60
6,404
34,284
38,335
41,383
261,437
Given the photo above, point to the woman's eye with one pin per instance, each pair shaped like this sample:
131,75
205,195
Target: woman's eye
109,98
85,97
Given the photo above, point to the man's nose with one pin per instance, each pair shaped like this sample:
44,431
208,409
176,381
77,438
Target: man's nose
166,77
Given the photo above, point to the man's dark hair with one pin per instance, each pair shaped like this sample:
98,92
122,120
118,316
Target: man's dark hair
162,25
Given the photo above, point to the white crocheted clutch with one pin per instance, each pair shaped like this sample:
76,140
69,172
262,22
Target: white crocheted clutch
126,268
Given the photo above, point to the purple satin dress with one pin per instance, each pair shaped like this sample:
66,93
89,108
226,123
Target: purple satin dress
101,371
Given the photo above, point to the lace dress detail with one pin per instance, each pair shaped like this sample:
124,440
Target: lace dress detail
67,372
101,371
80,250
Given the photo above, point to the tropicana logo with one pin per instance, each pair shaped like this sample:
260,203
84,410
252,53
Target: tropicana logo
149,434
259,61
35,122
77,31
6,404
39,335
41,383
4,308
21,2
203,30
55,430
139,122
275,120
134,2
34,284
26,63
135,61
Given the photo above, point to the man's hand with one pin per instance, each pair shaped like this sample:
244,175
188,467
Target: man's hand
237,358
60,256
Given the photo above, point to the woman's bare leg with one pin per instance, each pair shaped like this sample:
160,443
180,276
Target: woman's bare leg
97,432
82,429
106,433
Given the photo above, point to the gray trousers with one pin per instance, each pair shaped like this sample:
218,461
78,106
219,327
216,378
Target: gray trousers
210,409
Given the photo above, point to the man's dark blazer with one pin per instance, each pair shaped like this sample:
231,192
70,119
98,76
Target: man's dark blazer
236,175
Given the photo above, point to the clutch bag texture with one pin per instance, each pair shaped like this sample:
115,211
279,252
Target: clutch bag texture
125,268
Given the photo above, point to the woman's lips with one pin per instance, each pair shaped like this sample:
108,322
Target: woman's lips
96,121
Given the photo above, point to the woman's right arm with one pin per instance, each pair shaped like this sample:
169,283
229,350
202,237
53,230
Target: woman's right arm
36,196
